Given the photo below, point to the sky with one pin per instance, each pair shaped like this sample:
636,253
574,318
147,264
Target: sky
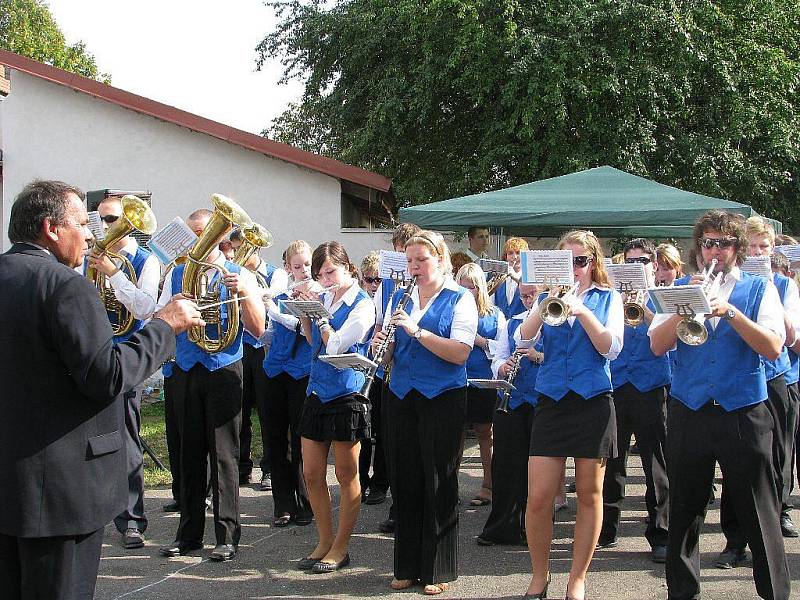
198,55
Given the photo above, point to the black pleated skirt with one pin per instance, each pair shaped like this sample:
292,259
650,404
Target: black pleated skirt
345,419
575,426
480,405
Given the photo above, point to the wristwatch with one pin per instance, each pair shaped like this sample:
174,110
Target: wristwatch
729,314
418,333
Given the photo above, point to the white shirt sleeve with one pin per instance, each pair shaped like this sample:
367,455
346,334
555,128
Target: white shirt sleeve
615,325
465,320
770,312
280,282
792,306
491,349
379,308
166,291
502,350
354,329
275,315
139,298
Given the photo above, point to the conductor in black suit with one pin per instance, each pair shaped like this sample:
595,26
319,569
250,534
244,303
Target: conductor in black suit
62,461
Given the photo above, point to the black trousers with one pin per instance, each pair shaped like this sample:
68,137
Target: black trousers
212,412
779,406
172,415
741,442
252,377
425,444
512,438
366,459
133,515
283,398
643,414
51,568
385,432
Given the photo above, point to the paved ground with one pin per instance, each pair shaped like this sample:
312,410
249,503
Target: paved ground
264,566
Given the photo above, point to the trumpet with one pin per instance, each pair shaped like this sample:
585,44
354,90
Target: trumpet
634,308
691,330
554,310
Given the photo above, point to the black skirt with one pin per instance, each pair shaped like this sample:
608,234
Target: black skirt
345,419
480,405
575,426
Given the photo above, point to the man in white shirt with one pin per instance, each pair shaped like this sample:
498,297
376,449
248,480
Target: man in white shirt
139,299
478,242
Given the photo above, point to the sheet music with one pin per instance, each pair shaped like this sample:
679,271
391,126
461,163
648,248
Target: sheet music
758,265
393,265
550,267
489,265
791,252
96,225
350,360
680,299
626,277
491,384
306,308
174,240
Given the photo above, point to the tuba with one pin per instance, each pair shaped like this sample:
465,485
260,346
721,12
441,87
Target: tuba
198,276
136,215
554,310
690,330
254,238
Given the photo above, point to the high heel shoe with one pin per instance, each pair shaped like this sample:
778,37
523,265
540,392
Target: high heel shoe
541,595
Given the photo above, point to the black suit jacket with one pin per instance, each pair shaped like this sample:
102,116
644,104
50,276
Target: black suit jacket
62,461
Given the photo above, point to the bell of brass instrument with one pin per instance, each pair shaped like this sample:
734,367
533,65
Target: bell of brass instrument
254,238
634,308
495,282
554,310
136,215
198,275
691,331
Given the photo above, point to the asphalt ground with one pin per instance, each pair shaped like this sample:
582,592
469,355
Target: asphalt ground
264,567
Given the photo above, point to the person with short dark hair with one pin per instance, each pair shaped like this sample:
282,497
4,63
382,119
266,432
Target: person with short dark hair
62,461
478,239
718,412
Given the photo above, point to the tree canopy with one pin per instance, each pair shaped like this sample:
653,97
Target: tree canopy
27,27
452,97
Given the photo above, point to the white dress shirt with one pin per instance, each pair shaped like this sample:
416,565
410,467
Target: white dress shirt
475,258
139,299
280,279
770,311
492,344
358,323
464,326
792,306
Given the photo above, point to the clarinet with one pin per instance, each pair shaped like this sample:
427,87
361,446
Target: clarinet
380,351
502,405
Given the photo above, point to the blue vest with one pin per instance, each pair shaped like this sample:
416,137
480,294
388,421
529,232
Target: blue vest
781,365
167,368
415,367
478,365
388,286
793,374
289,351
249,338
525,381
326,381
500,301
725,368
188,354
636,363
571,361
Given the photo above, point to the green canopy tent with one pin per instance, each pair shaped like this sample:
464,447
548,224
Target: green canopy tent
606,200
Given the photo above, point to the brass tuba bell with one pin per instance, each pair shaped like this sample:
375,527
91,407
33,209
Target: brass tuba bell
136,215
198,276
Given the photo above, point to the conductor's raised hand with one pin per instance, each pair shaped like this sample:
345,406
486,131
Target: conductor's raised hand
180,314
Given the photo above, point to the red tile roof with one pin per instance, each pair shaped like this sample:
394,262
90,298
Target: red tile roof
273,149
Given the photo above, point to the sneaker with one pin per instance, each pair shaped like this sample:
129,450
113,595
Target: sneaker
266,482
788,528
731,557
606,544
133,538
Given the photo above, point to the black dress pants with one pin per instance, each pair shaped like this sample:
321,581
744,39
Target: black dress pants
643,414
50,568
741,442
283,398
385,432
172,415
366,459
780,408
252,377
425,444
212,412
133,515
512,438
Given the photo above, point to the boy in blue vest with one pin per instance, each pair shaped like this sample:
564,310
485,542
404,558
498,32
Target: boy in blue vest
140,300
273,280
719,413
640,381
208,399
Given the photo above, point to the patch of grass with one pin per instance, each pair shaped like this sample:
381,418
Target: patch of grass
154,432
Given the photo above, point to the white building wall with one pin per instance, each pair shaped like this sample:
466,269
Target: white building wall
52,132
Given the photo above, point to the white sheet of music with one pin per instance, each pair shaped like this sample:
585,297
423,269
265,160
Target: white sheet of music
489,265
791,252
626,277
174,240
306,308
491,384
758,265
392,265
96,225
680,299
550,267
351,360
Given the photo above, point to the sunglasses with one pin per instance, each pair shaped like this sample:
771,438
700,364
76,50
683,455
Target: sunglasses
581,261
709,243
109,219
645,260
372,279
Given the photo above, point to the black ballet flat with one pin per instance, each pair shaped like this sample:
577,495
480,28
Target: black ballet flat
306,564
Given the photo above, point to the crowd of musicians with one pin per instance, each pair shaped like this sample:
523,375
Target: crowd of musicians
584,387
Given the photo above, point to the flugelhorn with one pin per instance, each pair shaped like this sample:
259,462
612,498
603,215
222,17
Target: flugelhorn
198,276
554,310
691,330
136,215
